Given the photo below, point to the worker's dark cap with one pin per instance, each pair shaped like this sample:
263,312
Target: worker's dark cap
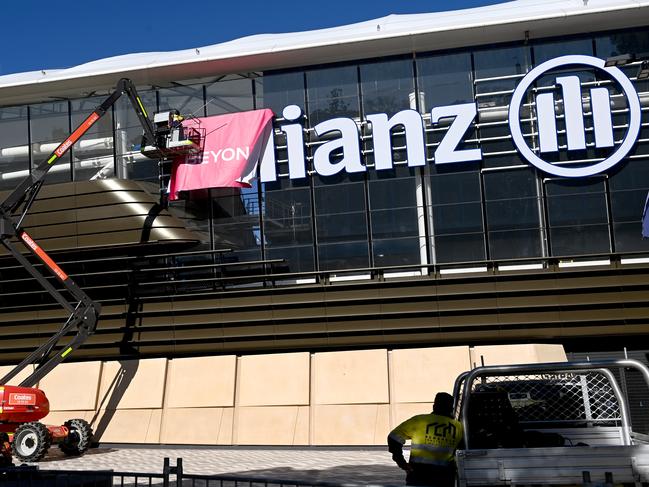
443,401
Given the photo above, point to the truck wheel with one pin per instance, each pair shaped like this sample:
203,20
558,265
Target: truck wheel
31,442
79,438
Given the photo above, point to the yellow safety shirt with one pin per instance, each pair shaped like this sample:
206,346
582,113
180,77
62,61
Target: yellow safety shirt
434,438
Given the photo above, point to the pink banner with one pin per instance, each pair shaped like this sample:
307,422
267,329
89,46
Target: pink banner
232,146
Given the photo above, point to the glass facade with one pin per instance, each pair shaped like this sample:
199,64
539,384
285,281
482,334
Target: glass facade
418,212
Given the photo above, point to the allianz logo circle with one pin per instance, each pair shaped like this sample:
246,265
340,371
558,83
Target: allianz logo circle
341,149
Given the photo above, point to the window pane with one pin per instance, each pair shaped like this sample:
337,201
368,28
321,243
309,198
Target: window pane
629,42
93,155
459,248
580,240
629,187
229,96
235,217
577,216
283,89
348,255
387,86
50,125
331,93
296,259
445,80
14,150
514,244
339,198
188,100
288,230
512,208
395,252
341,227
131,163
456,207
394,223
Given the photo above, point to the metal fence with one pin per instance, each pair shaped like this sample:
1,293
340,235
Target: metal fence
171,476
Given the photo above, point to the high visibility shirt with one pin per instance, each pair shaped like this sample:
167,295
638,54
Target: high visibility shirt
434,438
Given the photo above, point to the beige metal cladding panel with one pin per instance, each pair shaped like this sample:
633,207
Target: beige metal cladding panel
272,425
132,384
72,386
418,374
274,379
5,369
517,354
351,377
197,426
201,382
360,424
404,411
127,426
57,418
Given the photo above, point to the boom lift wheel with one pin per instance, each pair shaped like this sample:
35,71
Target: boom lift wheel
79,437
31,442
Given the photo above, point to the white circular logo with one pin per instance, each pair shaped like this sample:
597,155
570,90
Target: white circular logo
574,117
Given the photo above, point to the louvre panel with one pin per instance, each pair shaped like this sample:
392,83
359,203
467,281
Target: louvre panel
171,318
98,213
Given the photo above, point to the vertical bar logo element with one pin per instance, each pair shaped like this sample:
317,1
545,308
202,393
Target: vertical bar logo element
600,104
573,113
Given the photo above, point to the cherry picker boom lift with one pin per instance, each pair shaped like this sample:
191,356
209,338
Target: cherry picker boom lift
22,406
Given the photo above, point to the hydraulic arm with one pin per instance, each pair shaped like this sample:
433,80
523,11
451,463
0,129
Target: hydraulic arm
84,312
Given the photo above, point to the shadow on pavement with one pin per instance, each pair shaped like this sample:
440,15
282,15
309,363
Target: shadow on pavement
343,474
56,455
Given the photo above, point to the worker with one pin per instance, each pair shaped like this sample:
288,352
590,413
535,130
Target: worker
434,439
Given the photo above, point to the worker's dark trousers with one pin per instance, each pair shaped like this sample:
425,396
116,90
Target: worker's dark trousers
431,475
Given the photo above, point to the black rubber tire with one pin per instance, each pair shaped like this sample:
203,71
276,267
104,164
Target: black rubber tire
31,442
79,438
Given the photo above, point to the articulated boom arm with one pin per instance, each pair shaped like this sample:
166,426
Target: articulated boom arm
85,313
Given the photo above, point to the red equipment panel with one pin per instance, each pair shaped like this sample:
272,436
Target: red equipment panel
22,404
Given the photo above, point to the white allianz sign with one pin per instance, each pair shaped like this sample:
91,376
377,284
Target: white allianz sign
342,135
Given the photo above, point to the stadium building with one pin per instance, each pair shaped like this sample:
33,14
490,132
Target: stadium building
440,190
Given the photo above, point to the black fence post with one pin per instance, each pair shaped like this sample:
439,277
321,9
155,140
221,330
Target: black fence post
179,472
165,472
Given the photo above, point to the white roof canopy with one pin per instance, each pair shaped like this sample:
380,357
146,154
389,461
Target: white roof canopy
394,34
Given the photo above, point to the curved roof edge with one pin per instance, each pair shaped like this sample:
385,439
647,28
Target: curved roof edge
391,35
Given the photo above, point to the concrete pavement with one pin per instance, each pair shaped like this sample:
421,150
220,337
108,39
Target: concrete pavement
370,466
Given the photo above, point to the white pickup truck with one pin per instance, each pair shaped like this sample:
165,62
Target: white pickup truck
561,423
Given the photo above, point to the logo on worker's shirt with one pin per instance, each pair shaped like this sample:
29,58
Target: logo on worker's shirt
441,430
22,399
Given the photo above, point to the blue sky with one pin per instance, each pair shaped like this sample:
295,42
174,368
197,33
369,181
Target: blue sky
41,34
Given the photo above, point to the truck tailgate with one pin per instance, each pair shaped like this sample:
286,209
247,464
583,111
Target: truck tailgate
556,466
